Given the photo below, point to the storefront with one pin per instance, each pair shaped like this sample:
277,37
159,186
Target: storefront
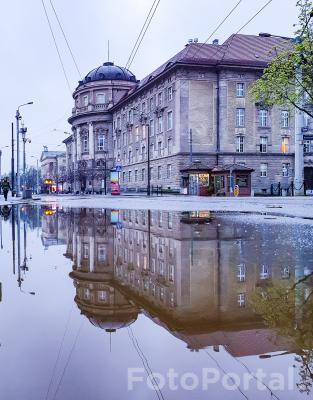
196,180
232,179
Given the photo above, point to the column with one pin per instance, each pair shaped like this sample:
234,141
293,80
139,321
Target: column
92,254
79,143
91,142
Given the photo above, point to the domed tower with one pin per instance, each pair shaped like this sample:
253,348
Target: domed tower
90,147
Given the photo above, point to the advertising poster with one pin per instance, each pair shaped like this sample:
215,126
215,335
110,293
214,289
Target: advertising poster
115,184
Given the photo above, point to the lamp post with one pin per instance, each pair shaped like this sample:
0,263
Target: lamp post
148,162
1,166
25,140
18,175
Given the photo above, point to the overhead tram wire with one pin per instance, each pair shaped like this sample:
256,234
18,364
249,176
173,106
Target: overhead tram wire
144,33
220,24
140,33
240,29
220,48
65,38
56,46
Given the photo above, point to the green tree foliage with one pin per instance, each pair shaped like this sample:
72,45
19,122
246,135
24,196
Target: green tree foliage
289,310
288,80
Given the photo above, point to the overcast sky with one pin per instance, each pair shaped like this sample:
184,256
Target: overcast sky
30,69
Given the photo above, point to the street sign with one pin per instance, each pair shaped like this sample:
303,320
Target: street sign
118,168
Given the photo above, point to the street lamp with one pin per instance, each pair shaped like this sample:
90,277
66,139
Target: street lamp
25,140
18,175
0,166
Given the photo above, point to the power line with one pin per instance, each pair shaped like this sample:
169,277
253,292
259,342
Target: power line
239,30
143,35
218,27
56,46
140,33
65,38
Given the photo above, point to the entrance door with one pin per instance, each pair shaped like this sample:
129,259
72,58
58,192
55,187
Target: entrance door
308,177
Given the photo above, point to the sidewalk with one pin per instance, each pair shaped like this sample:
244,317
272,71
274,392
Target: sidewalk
288,206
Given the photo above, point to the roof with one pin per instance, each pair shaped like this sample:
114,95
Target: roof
233,167
196,167
52,154
108,71
238,50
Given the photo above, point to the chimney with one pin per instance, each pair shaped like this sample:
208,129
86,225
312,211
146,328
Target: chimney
215,42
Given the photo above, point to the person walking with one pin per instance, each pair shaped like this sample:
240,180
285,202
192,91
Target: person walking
5,188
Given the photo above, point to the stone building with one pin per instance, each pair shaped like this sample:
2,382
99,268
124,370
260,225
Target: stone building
192,113
53,170
194,280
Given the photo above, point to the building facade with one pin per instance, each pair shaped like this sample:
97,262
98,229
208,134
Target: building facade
53,170
190,115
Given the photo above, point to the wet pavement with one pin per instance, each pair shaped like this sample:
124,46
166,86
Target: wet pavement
95,301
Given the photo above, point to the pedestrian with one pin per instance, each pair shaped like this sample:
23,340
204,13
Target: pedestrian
5,188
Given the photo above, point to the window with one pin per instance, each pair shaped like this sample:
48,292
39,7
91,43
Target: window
285,119
169,146
265,272
285,145
240,144
136,175
170,93
143,152
241,273
85,251
151,127
240,117
159,172
137,133
160,99
130,116
169,171
160,148
103,296
285,169
124,138
170,120
143,174
263,144
240,90
241,300
263,118
263,170
171,273
308,146
100,98
101,142
101,252
129,176
130,156
143,131
85,143
143,108
160,124
151,104
124,176
85,100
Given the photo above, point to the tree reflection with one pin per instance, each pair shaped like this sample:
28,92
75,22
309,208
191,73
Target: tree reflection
289,310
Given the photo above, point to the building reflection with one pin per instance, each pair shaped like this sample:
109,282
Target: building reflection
191,273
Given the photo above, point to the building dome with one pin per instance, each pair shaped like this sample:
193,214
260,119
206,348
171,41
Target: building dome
109,72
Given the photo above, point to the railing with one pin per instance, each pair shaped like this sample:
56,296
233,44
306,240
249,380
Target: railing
89,108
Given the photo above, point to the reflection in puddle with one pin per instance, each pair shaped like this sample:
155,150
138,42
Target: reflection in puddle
235,288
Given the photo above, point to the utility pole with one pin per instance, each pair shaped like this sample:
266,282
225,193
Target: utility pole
190,146
18,175
25,140
12,161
